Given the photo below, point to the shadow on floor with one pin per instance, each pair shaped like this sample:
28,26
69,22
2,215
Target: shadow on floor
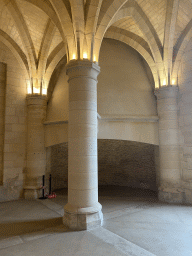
8,229
119,191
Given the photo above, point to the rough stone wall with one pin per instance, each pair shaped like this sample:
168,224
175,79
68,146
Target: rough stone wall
59,165
121,163
15,128
126,163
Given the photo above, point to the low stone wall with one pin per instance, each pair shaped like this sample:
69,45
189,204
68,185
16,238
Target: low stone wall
121,163
59,165
126,163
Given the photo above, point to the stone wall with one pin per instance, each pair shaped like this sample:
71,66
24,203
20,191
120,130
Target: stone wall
15,128
59,165
126,163
185,121
121,163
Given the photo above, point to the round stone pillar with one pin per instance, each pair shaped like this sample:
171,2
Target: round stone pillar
3,70
169,190
36,153
83,211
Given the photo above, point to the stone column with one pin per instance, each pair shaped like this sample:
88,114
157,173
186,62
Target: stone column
36,152
83,211
169,190
3,70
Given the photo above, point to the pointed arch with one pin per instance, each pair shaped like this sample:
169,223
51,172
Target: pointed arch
139,44
16,50
53,59
179,48
77,10
44,49
24,34
92,10
133,9
67,26
47,8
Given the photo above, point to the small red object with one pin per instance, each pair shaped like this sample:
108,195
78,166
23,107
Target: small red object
53,195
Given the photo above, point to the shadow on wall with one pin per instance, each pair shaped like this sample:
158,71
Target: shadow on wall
120,163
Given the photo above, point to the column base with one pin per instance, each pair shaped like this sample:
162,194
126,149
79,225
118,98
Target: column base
82,218
31,192
171,195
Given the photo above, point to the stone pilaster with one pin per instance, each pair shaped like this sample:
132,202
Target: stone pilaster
3,70
83,211
170,180
36,152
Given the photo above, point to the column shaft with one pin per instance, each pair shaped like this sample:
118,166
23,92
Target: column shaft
169,189
83,210
3,71
36,153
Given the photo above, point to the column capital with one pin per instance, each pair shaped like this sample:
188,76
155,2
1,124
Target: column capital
36,100
83,68
166,92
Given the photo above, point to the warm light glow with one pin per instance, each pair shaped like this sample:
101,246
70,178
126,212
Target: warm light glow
29,90
164,82
156,85
74,56
84,55
36,90
44,91
94,58
173,81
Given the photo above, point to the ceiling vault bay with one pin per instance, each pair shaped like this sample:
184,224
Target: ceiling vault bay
40,33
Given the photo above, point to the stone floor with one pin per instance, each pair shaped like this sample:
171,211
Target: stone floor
135,224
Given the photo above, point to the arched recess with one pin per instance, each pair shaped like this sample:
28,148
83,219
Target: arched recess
134,10
139,44
16,50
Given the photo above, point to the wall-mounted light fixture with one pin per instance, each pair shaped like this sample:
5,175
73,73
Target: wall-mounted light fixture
163,82
29,86
174,81
74,56
84,55
44,87
36,86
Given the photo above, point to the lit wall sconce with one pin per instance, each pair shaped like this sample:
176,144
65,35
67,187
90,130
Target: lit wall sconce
163,82
174,81
84,55
74,57
36,86
44,87
156,84
29,86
